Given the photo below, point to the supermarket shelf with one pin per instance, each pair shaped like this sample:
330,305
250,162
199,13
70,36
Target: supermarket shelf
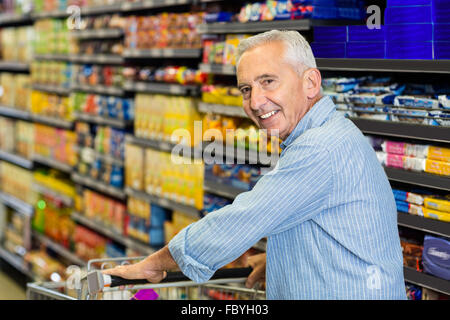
12,66
261,26
55,122
14,113
99,227
16,262
10,19
162,53
16,204
149,4
240,154
51,89
384,65
165,88
403,130
222,69
59,249
117,123
423,179
437,227
68,201
98,34
426,280
221,189
163,202
103,9
99,186
53,57
52,163
232,111
164,146
99,89
97,59
51,14
104,157
16,159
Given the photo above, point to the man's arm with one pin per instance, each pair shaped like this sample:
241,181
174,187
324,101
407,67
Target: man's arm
153,268
294,192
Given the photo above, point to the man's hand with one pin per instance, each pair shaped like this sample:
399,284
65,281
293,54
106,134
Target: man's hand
258,263
140,270
153,268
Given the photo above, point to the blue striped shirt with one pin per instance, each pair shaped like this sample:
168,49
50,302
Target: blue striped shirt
328,213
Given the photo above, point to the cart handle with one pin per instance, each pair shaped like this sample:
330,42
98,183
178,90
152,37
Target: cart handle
179,276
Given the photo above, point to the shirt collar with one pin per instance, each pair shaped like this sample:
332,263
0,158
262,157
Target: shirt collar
315,117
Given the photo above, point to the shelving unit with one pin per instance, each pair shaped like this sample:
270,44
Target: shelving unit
51,121
16,159
166,88
164,202
119,238
426,134
16,204
15,113
59,249
426,280
99,186
52,163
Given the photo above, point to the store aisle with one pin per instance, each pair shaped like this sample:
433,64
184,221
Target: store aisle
9,289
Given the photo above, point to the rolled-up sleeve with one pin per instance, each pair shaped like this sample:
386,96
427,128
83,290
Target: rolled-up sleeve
295,191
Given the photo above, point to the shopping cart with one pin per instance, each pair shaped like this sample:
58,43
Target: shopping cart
226,284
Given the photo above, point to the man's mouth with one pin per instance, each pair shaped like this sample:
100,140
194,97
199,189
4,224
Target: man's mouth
268,115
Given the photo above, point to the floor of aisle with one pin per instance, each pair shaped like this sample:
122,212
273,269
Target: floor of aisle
10,286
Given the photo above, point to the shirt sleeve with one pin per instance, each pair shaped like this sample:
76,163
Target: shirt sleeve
295,191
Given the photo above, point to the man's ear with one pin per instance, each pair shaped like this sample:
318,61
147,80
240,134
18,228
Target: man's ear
313,80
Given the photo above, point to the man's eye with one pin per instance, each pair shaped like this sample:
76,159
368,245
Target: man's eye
267,81
245,91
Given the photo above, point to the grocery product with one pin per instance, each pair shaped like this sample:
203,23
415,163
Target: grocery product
17,182
109,212
110,76
436,256
165,175
16,44
55,143
159,116
16,91
212,203
44,266
52,36
240,176
16,137
438,203
146,222
88,244
179,221
51,105
104,106
164,30
55,73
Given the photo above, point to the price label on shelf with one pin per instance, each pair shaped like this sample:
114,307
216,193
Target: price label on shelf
175,89
149,3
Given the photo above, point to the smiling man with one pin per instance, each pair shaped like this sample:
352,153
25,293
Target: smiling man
327,208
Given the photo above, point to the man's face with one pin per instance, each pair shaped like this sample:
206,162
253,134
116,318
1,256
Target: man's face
272,90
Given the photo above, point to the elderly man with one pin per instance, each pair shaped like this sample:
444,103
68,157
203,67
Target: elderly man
327,208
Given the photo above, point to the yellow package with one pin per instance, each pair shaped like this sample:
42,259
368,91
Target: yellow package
437,167
437,215
439,154
438,203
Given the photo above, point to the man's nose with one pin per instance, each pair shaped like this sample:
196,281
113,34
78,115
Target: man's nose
257,99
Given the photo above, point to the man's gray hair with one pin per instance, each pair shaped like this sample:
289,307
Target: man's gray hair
298,51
